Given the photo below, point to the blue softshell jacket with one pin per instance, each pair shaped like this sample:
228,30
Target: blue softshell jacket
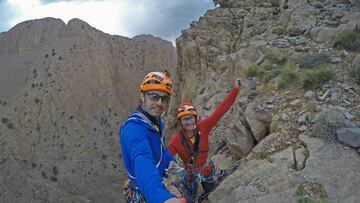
145,156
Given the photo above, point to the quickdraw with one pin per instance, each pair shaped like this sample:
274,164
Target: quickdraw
132,193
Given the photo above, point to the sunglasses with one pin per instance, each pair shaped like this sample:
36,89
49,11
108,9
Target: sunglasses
155,97
186,119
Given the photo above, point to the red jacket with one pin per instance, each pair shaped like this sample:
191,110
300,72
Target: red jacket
204,128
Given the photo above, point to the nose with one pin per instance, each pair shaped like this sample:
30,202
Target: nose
159,101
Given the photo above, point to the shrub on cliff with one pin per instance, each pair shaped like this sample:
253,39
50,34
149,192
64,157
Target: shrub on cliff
355,69
348,40
319,75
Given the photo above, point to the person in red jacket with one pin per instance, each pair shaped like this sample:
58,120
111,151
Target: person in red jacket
191,143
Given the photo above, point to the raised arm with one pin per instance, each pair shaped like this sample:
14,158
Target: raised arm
223,107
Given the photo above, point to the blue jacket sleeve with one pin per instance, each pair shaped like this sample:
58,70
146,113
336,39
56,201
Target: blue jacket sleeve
147,175
169,157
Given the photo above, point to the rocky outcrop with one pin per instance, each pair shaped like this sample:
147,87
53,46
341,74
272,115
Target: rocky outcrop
64,90
273,179
349,136
258,119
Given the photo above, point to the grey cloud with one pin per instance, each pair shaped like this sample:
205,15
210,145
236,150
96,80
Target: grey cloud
54,1
5,13
166,18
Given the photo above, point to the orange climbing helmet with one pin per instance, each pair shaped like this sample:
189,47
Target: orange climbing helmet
186,108
157,81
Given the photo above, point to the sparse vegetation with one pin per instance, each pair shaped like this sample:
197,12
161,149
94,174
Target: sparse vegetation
54,179
278,30
328,122
223,67
312,60
348,40
310,191
295,31
355,69
286,6
55,170
275,3
10,125
319,75
254,71
276,64
43,174
306,153
263,153
288,75
276,58
4,120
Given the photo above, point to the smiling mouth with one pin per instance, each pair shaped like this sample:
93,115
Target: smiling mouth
157,109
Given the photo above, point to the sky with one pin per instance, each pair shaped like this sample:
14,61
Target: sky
161,18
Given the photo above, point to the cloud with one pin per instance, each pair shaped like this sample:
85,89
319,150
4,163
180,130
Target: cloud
164,18
5,13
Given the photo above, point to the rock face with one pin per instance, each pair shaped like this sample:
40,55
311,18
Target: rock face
264,181
64,90
281,166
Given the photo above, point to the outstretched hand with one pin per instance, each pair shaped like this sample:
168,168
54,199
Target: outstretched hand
238,82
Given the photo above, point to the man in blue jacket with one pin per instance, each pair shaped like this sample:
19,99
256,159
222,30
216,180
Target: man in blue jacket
143,145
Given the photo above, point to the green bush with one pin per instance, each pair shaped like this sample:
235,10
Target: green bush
355,69
4,120
223,67
295,31
328,122
274,65
278,30
312,60
312,200
264,72
277,64
288,75
319,75
348,40
275,3
254,71
276,58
